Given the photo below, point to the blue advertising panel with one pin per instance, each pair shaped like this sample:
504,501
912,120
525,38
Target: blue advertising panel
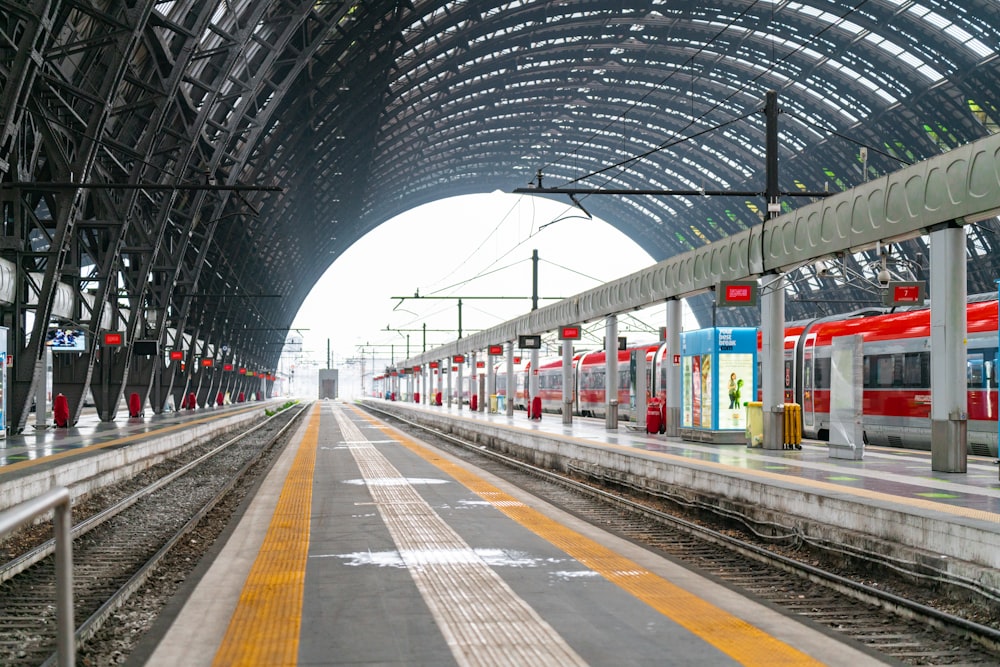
719,375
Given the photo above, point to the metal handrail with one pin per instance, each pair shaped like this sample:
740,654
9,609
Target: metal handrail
57,499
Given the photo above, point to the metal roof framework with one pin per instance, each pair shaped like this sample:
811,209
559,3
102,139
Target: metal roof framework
334,116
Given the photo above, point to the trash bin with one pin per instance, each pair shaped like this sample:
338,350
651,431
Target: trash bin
493,403
474,403
653,416
501,403
755,423
536,408
792,434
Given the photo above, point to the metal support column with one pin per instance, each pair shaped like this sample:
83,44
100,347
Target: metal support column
511,388
461,385
772,322
673,388
949,357
474,381
567,381
449,385
491,380
533,381
440,382
611,372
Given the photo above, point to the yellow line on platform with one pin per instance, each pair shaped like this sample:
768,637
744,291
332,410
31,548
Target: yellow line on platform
733,636
264,629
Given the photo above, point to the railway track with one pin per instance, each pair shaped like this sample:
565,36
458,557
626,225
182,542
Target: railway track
905,629
116,549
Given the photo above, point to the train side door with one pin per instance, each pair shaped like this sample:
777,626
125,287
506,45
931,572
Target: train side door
808,389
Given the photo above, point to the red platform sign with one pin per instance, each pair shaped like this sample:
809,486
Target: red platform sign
227,367
569,333
113,339
906,293
176,355
206,362
737,293
459,359
496,350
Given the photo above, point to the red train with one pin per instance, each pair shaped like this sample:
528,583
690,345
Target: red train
896,376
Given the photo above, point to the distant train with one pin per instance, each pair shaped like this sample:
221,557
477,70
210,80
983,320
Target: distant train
896,376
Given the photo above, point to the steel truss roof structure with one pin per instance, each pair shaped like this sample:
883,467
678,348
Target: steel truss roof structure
190,169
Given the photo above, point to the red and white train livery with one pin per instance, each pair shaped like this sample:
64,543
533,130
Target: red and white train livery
896,376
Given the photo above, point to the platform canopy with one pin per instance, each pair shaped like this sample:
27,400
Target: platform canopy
334,116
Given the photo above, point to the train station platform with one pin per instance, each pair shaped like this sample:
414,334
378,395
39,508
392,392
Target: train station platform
93,453
364,546
890,504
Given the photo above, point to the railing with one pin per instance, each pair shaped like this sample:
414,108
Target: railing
57,499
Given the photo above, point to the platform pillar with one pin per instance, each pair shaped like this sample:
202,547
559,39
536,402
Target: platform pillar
567,381
491,381
511,380
673,388
949,357
440,382
772,321
611,372
533,384
461,384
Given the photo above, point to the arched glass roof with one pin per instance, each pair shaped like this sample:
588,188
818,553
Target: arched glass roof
361,110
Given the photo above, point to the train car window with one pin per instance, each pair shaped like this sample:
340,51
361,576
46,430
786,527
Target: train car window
821,372
882,372
917,369
866,372
974,371
598,380
982,368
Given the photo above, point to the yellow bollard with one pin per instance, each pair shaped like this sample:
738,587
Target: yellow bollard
793,425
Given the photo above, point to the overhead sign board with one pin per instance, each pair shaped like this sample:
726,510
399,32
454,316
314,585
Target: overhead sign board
176,355
112,339
737,293
458,359
529,342
569,333
206,362
900,293
495,350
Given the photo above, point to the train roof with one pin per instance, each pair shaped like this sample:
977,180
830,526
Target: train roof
981,317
